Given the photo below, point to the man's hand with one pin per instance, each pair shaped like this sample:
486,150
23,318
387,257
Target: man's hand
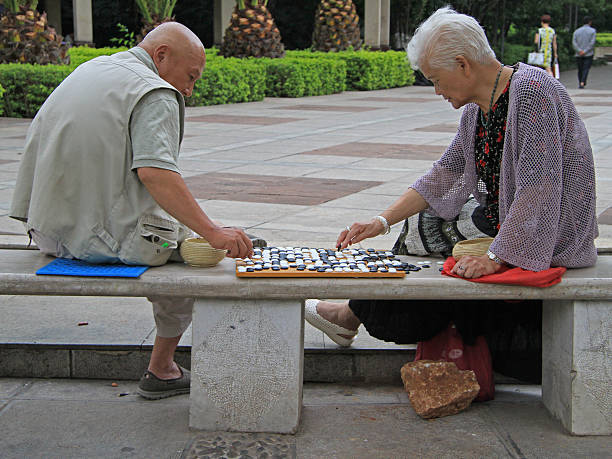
472,267
357,232
237,244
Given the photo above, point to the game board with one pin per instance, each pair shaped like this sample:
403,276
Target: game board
319,262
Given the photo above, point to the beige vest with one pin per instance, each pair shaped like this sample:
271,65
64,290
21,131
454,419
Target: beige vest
75,182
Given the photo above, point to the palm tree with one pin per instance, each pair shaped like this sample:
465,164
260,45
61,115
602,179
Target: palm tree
336,26
154,13
252,32
25,36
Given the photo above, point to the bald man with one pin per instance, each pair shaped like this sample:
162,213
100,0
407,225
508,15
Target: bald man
100,181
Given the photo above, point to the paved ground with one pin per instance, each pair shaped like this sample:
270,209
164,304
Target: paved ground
293,171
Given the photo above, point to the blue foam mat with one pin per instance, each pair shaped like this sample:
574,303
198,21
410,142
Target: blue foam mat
66,267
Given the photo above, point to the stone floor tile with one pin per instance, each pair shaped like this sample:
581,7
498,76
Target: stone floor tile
441,127
327,108
406,100
381,150
605,218
237,120
374,202
355,174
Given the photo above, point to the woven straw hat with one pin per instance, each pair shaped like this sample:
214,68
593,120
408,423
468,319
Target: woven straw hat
196,251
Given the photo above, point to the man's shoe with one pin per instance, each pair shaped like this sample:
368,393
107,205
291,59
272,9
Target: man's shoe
153,388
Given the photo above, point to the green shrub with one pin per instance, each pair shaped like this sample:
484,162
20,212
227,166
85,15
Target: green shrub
368,70
27,86
2,90
304,77
514,53
80,54
226,81
604,39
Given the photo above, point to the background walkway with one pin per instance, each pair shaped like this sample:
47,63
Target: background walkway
295,172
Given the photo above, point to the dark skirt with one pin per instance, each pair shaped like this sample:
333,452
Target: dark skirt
513,329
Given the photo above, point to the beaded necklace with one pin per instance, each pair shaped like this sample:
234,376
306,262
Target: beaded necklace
482,118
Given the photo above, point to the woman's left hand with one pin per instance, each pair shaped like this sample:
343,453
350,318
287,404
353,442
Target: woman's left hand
472,267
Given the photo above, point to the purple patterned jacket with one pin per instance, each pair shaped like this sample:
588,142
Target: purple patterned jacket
547,177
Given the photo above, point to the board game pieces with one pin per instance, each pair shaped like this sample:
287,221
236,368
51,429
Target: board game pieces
320,262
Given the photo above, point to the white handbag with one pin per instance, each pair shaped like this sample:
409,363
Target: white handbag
536,59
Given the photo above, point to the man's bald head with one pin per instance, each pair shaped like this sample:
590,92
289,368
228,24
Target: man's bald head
172,34
178,55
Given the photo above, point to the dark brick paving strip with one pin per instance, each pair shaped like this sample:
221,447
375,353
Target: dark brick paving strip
398,99
605,218
443,127
7,161
328,108
381,150
272,189
236,119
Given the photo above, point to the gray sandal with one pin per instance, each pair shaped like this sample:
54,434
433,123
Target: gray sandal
153,388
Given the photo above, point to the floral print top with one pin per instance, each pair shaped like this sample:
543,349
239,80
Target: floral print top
489,148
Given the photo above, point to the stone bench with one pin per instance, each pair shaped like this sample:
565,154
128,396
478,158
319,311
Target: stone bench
248,334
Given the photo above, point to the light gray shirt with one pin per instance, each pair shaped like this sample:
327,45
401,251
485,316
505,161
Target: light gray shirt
584,40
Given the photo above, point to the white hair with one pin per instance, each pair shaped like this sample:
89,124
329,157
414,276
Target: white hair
445,35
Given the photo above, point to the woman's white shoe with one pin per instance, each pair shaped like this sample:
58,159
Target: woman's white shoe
330,329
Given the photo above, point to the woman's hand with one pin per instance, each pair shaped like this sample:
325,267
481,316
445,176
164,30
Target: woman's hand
472,267
357,232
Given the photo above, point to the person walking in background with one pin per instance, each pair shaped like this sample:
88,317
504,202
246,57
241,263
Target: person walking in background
546,39
583,42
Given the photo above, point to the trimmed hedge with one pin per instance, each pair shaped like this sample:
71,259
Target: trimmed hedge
27,86
603,39
1,100
229,80
80,54
303,77
368,70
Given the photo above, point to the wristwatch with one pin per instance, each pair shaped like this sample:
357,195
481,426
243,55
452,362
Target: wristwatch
495,258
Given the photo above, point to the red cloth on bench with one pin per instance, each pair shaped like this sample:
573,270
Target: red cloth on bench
513,276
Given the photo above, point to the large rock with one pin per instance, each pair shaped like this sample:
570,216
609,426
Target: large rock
438,389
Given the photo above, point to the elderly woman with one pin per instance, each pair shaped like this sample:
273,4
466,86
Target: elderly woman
523,152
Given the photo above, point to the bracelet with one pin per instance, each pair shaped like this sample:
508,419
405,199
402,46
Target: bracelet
495,258
385,224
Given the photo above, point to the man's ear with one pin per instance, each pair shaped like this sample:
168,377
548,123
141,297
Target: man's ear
160,54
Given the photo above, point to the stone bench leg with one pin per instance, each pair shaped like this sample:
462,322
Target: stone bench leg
246,365
577,364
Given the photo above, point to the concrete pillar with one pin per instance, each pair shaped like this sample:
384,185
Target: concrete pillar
247,365
83,21
385,23
54,14
577,364
221,18
373,9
